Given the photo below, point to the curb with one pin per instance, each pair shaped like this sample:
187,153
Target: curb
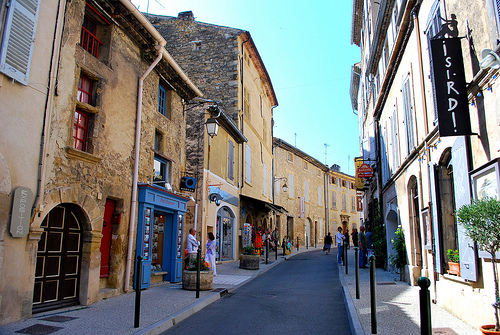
354,323
167,323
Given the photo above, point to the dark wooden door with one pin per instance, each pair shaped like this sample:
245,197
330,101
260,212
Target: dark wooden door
58,263
109,209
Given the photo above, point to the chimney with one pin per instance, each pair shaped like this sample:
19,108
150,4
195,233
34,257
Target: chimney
187,16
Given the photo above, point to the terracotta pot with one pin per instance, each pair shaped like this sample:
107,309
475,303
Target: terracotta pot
250,262
189,280
489,329
454,268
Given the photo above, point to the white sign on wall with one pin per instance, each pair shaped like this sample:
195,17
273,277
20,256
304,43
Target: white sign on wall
21,212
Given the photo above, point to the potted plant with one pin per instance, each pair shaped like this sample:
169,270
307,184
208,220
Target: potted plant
190,274
249,258
398,259
481,222
453,262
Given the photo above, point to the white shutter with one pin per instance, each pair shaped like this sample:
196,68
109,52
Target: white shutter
248,164
18,40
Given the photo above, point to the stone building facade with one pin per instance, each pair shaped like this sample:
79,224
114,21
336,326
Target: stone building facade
423,172
318,199
237,164
110,132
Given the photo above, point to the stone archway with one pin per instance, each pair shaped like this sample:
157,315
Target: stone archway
90,217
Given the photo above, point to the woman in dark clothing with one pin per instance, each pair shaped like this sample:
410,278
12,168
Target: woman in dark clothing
354,235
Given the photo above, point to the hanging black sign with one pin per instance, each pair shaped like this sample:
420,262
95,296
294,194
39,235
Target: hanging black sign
451,90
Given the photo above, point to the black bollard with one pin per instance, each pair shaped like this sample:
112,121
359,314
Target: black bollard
307,243
297,243
373,295
276,249
267,251
346,263
198,266
284,247
356,266
425,306
138,281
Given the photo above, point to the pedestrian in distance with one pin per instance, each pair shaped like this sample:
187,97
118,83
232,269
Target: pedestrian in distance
192,244
362,247
369,243
354,235
211,250
339,238
328,243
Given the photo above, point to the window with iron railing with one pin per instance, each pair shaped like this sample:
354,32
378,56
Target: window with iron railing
89,41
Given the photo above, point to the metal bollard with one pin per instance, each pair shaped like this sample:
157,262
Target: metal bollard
297,243
284,247
276,249
346,263
356,266
138,281
425,306
198,266
373,295
267,251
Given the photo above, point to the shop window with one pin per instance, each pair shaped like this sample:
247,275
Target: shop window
164,101
157,245
18,32
162,172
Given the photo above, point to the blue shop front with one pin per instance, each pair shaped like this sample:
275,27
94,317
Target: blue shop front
160,225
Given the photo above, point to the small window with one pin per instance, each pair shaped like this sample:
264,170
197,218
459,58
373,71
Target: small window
305,165
80,130
164,97
196,45
85,86
290,157
162,169
334,180
89,40
158,141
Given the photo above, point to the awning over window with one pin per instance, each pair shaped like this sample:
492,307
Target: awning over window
265,204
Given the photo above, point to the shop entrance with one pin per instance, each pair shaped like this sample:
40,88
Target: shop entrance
224,234
58,261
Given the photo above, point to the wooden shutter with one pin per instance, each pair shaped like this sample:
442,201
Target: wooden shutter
466,247
18,40
436,236
230,160
410,132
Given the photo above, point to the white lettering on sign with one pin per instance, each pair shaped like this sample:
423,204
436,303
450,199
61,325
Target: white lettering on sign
20,217
452,102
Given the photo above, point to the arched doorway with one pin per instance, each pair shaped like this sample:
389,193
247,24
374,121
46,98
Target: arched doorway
307,232
59,258
392,223
224,234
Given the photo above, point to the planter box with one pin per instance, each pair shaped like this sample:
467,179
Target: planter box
249,262
189,280
454,268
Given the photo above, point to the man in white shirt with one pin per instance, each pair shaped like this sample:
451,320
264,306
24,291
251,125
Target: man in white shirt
192,244
339,237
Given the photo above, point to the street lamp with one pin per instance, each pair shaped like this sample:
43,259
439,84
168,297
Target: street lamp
212,127
490,59
284,187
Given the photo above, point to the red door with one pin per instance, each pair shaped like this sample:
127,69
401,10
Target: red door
109,209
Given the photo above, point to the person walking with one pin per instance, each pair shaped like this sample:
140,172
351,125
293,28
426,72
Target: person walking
362,247
339,237
328,243
211,250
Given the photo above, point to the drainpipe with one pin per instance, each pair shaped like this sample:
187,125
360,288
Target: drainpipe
135,178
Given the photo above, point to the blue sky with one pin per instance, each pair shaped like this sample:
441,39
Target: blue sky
306,48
